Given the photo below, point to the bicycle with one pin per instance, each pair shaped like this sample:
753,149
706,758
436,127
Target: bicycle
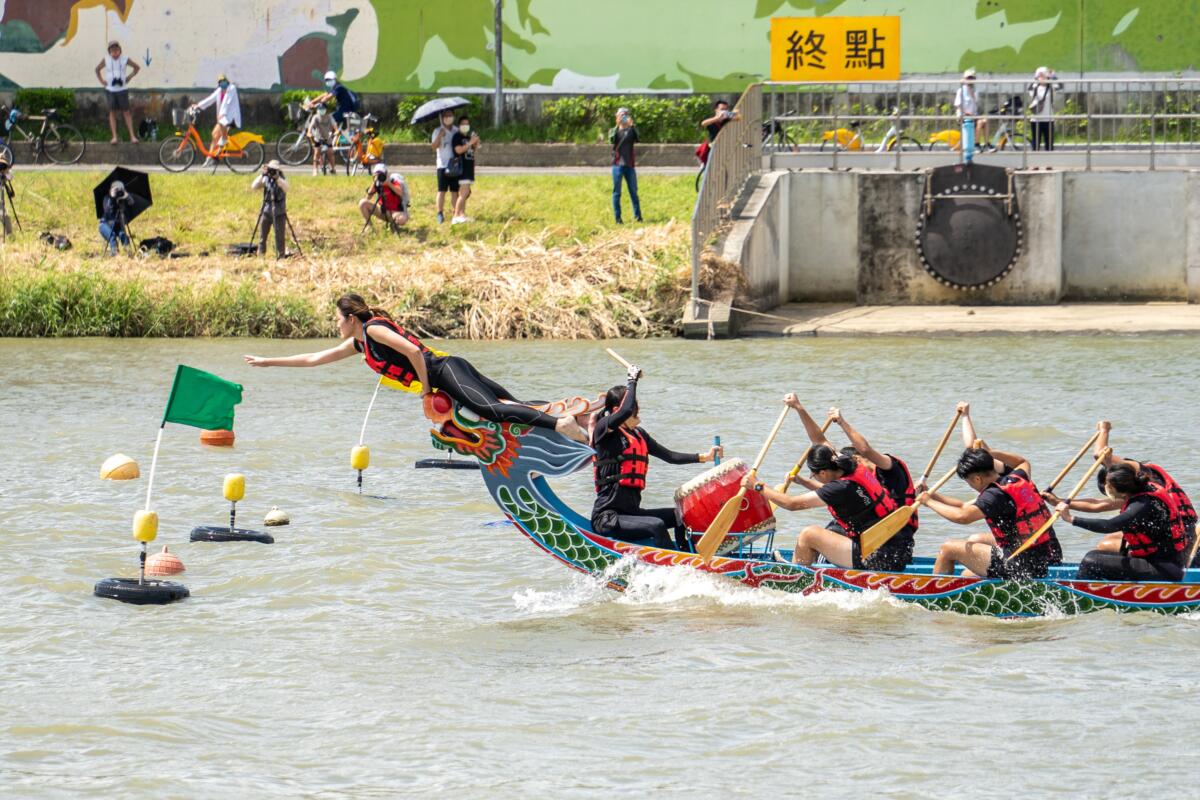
242,152
60,142
294,147
775,133
366,148
1005,135
851,139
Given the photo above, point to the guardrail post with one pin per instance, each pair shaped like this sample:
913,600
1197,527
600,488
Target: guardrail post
1088,123
835,134
1152,140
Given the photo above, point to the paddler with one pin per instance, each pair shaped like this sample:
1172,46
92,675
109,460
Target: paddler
397,354
1153,537
623,451
849,486
1012,507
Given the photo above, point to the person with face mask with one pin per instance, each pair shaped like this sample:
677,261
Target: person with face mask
346,101
443,147
320,133
229,113
464,143
623,451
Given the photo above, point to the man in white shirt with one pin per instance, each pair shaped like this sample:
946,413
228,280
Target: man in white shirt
442,138
229,113
966,108
113,74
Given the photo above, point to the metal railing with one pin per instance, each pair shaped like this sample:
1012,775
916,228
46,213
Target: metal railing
734,157
1129,122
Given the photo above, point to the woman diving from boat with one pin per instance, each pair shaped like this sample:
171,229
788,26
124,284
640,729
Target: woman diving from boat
1154,541
847,485
852,501
397,354
1012,507
622,460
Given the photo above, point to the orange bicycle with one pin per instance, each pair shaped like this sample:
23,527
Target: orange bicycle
242,152
365,147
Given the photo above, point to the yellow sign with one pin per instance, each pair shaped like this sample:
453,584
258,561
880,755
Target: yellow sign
835,49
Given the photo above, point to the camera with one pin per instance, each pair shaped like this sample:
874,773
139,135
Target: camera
116,82
119,194
270,173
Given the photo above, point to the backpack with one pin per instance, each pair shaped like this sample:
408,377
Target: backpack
355,100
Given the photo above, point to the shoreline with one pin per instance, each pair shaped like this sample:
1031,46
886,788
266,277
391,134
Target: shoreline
832,319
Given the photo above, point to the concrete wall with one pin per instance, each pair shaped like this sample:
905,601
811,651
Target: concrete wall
758,240
1116,235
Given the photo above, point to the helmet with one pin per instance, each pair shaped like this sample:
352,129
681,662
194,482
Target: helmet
379,169
331,75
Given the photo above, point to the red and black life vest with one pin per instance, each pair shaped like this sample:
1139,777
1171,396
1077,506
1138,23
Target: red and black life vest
1032,513
880,503
1176,496
383,359
906,498
634,462
1146,544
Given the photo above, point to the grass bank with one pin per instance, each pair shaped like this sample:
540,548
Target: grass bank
543,258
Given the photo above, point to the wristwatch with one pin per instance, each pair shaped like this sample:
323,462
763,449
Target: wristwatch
758,487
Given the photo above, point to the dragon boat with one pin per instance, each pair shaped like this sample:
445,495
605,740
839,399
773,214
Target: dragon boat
517,461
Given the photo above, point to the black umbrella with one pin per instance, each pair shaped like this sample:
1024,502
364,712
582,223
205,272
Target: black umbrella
137,184
434,108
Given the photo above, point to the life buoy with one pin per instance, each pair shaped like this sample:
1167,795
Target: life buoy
148,593
221,533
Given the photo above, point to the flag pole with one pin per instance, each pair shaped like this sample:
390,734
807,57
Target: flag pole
154,464
363,433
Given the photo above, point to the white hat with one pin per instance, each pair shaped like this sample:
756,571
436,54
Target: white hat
274,164
379,169
331,75
969,74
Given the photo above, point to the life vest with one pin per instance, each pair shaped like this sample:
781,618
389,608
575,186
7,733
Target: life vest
880,502
1176,496
634,462
1032,513
383,359
1141,544
908,496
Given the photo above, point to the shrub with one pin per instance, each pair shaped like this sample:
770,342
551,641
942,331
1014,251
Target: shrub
36,101
659,119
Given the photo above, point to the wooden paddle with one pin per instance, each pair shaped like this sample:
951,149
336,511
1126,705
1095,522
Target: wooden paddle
881,532
620,360
1073,462
1025,545
791,476
721,523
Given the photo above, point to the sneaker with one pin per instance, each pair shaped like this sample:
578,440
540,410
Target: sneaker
637,219
619,222
210,162
458,220
441,218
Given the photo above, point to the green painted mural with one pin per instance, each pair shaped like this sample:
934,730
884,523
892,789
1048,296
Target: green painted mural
565,45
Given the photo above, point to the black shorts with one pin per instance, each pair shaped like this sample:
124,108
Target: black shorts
445,183
118,101
893,556
1032,563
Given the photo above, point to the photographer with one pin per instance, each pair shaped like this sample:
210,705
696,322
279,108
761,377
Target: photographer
113,74
7,188
1041,106
720,118
387,197
112,218
274,206
623,138
320,132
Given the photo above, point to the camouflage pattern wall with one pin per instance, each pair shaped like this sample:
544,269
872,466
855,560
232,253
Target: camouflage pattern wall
563,45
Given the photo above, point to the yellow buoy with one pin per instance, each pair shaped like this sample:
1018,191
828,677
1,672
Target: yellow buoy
235,487
360,457
145,526
119,467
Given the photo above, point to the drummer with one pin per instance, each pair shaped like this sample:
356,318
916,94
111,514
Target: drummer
892,474
622,460
1012,507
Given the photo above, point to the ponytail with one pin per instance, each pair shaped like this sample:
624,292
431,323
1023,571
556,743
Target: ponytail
1125,480
825,457
353,305
612,401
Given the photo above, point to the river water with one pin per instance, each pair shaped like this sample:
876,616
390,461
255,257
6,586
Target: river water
397,645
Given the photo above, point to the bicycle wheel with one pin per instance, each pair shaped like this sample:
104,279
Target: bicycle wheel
1018,142
176,154
700,175
64,144
293,148
908,143
248,159
938,146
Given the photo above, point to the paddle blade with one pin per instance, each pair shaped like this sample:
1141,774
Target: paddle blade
719,527
881,532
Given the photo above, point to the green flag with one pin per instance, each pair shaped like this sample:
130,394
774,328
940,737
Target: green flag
202,400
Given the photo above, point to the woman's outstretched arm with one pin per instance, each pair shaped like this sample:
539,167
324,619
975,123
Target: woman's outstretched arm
343,350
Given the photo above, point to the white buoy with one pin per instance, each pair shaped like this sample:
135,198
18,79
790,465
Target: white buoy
276,517
119,467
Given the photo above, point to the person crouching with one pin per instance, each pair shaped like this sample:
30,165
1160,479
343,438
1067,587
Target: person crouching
114,214
387,197
274,206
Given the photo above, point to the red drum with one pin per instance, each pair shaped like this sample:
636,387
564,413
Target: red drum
699,500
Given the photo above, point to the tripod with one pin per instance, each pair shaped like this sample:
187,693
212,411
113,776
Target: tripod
269,205
6,203
378,206
121,227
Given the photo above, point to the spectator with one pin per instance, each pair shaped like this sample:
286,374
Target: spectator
443,147
464,143
274,206
713,125
966,108
623,138
1041,106
387,197
112,217
229,113
346,100
113,76
320,133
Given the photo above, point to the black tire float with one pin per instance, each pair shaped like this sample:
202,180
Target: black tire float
445,463
973,242
128,590
222,533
